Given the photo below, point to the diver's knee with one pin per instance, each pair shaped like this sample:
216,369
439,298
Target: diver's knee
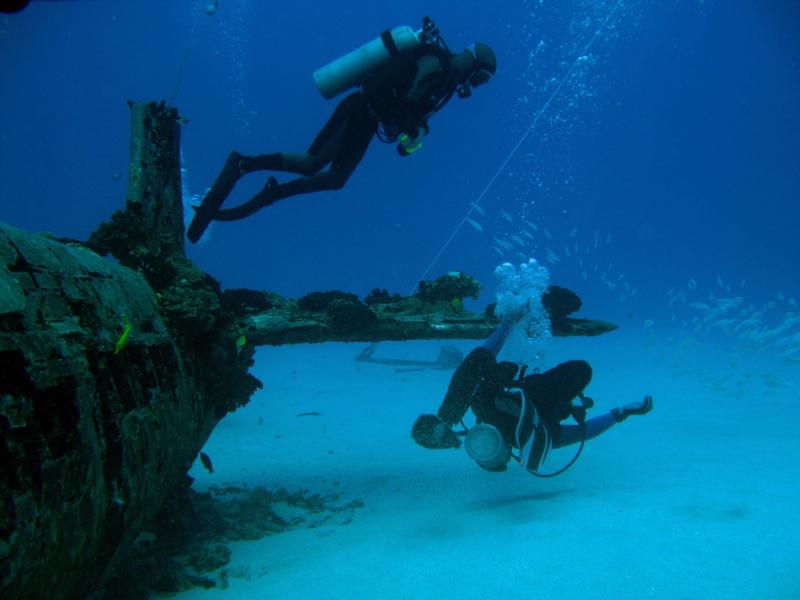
308,164
337,183
309,169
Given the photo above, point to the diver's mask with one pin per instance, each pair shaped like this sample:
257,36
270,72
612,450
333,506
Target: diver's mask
484,66
474,79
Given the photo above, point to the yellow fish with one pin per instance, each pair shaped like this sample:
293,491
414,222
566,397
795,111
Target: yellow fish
123,339
240,342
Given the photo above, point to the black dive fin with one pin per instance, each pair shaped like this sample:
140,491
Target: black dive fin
205,213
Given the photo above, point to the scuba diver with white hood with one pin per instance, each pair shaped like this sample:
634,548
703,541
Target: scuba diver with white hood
515,412
404,77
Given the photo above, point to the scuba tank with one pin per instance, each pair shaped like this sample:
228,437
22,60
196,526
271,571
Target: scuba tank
350,69
486,446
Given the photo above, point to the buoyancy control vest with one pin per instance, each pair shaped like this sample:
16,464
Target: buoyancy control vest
386,91
386,68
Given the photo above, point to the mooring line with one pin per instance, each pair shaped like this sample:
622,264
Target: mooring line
525,134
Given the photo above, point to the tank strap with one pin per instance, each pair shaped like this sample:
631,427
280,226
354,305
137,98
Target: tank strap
388,42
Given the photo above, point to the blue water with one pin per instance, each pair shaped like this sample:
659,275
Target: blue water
679,136
658,143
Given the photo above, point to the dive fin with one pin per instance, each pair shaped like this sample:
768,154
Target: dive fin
205,213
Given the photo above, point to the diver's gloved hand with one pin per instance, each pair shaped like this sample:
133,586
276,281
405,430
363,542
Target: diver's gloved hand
431,432
635,408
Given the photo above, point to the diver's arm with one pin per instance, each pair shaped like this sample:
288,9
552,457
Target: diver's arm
414,112
433,431
465,383
499,336
426,66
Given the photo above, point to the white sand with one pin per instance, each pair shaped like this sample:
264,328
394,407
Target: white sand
696,500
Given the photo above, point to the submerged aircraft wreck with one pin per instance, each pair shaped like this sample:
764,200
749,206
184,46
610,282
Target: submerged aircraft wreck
118,356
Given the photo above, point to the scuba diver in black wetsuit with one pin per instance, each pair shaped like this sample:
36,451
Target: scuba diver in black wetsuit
404,78
517,411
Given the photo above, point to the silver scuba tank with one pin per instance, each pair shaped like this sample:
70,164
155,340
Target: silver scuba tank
486,446
350,69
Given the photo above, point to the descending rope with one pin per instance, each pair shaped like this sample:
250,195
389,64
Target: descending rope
180,76
525,134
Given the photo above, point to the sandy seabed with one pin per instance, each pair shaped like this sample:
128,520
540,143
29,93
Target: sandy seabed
698,499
